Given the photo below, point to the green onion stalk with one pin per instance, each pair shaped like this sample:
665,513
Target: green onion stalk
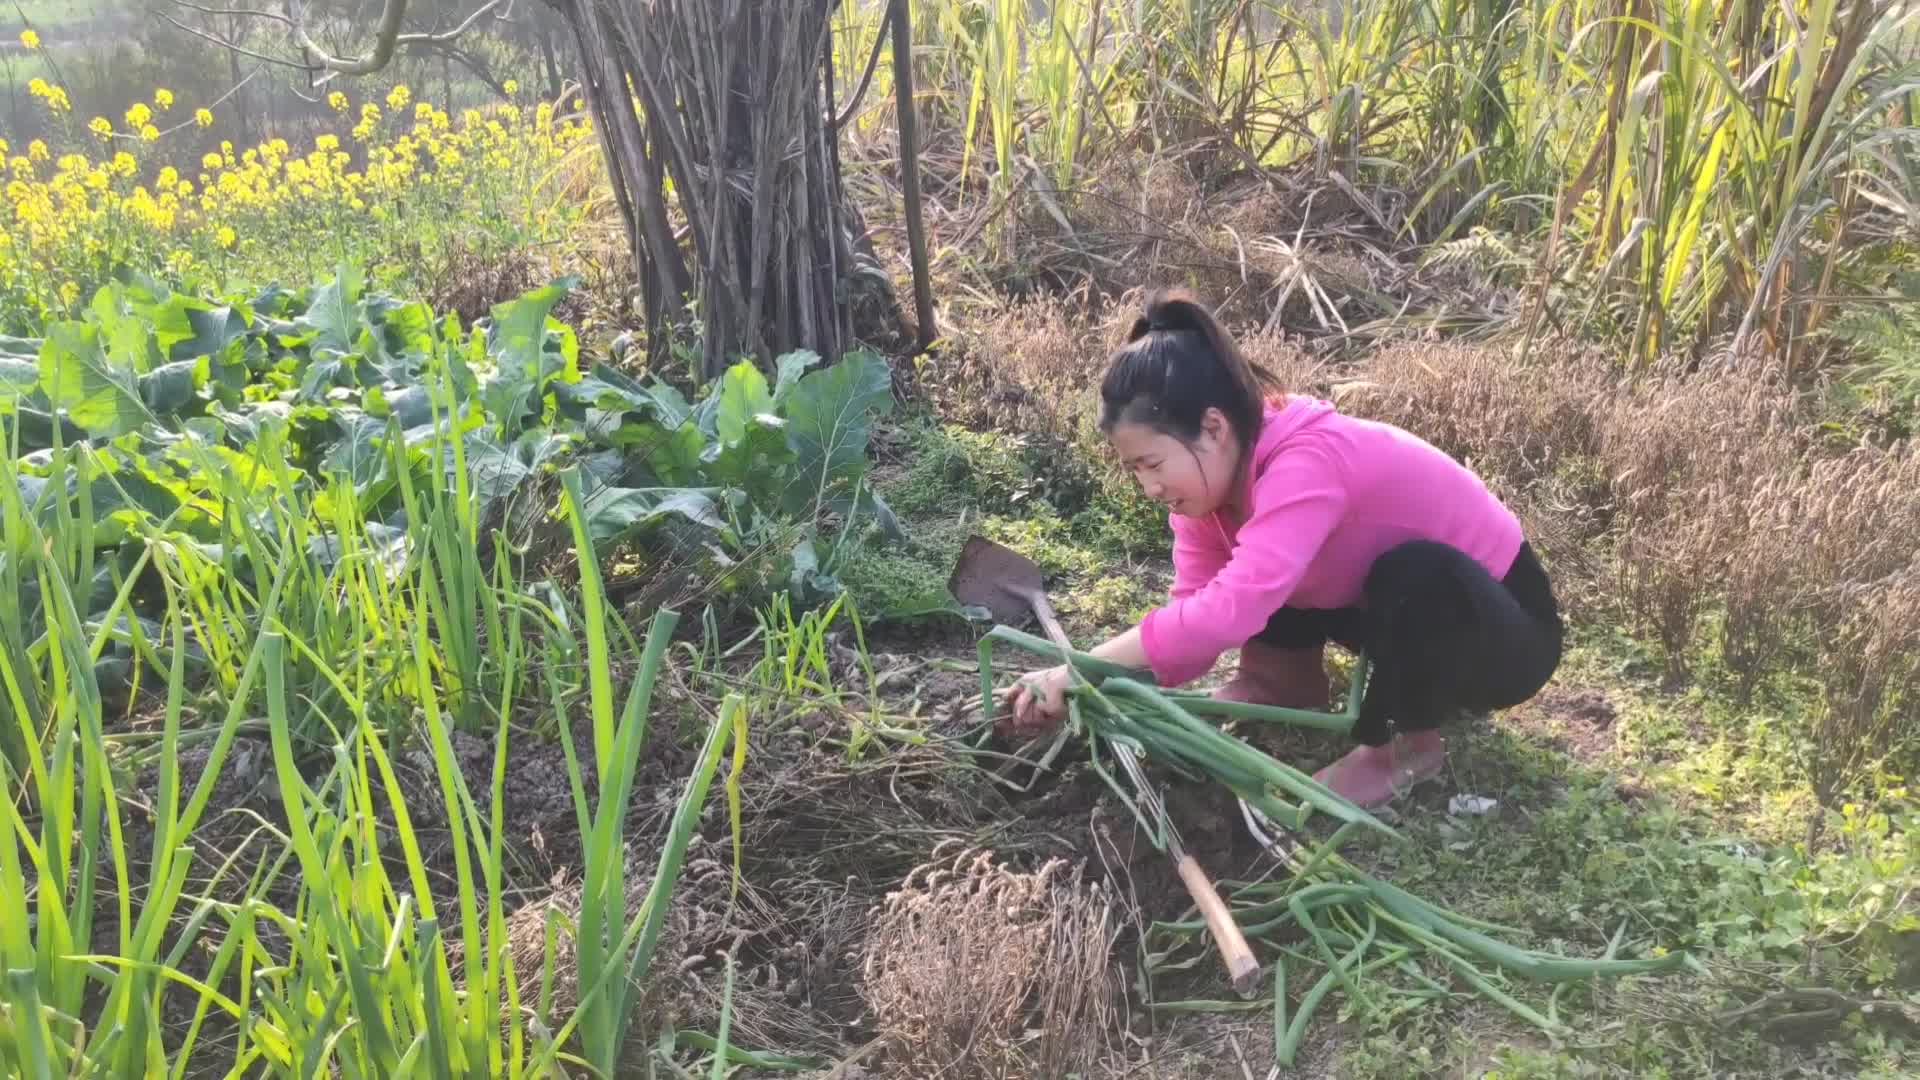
1388,951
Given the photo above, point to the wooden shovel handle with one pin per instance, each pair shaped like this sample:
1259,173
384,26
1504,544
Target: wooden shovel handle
1242,967
1043,610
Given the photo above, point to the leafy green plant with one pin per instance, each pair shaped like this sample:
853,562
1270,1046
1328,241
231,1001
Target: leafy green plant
203,414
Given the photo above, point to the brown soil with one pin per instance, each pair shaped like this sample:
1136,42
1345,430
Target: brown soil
1576,720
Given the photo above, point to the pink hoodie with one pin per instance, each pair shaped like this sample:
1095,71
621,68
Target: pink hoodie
1329,495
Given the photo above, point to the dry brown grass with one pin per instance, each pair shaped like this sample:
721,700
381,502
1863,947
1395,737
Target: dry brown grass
1685,455
1851,557
1293,251
974,970
542,946
1517,423
1034,367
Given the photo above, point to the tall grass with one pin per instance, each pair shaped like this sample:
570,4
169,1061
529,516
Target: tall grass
1679,170
328,939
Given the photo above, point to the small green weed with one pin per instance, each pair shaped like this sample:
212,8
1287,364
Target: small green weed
992,472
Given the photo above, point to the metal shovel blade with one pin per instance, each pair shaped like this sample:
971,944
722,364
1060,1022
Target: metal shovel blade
998,578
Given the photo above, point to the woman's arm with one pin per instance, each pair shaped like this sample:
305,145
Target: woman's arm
1124,648
1040,699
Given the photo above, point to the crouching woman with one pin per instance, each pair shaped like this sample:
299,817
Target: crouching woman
1294,526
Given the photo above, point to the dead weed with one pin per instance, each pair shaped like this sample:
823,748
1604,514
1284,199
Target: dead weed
974,970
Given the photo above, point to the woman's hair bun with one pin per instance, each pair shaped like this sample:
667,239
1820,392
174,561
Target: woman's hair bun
1169,309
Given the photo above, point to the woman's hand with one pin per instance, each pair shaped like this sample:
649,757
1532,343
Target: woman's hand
1040,701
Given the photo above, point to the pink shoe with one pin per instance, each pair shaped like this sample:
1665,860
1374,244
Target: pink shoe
1373,776
1288,678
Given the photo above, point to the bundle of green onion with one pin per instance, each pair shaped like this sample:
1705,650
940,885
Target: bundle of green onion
1379,945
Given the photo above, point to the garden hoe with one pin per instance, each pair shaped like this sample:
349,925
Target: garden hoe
1008,585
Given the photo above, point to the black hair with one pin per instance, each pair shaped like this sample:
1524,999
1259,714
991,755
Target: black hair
1177,363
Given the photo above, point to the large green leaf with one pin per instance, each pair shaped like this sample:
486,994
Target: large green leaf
170,387
788,370
411,406
673,455
829,421
19,377
743,396
76,377
248,424
403,336
615,512
760,462
359,453
518,336
497,472
333,319
127,338
606,399
517,343
212,331
325,373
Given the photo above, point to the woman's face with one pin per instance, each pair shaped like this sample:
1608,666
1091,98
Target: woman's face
1192,479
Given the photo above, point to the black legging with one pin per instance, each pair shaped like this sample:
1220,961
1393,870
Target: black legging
1443,635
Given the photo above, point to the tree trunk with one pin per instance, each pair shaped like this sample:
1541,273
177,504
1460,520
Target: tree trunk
714,118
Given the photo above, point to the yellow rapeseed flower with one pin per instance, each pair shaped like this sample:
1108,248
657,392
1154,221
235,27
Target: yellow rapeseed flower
56,97
211,161
29,39
37,151
163,98
101,126
337,101
138,116
327,142
227,237
125,164
399,98
149,133
203,117
512,87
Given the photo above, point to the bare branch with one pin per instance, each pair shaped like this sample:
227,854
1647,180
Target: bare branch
249,12
387,39
233,45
